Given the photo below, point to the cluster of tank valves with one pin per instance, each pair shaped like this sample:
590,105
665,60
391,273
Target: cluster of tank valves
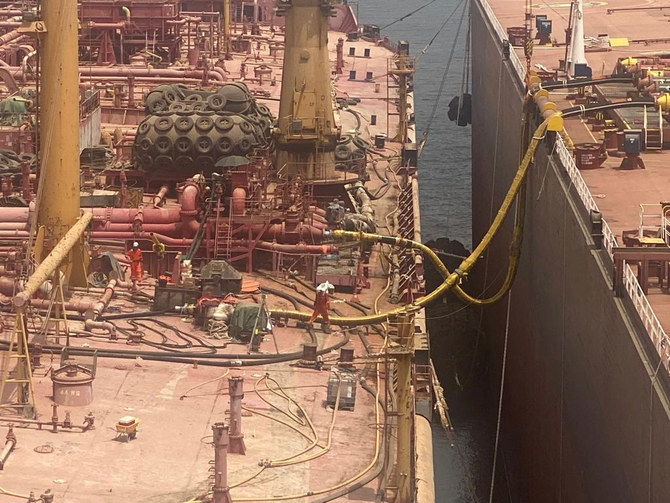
188,131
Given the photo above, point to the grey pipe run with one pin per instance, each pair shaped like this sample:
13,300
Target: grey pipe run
582,109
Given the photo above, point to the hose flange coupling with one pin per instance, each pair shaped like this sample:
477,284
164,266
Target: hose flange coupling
461,274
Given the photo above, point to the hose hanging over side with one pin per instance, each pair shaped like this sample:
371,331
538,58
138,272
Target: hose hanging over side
452,279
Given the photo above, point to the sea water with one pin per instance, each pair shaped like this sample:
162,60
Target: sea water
462,458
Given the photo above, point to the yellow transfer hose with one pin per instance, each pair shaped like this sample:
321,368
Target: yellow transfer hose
451,279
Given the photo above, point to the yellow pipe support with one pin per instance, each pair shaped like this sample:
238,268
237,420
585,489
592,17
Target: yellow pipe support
53,260
403,355
451,279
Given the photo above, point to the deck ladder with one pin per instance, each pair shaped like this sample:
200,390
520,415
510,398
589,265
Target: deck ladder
653,129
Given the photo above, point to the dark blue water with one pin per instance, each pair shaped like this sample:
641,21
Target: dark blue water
444,175
462,458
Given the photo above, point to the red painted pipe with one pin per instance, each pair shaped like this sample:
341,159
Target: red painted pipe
238,201
124,71
9,36
159,198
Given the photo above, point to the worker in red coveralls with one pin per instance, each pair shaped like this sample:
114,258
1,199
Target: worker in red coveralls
135,256
322,304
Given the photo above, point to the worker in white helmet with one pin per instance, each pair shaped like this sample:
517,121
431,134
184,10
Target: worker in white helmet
322,304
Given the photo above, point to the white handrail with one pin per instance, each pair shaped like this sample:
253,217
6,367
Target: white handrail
656,332
502,35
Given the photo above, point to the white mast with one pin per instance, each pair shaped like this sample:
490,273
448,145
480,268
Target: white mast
577,39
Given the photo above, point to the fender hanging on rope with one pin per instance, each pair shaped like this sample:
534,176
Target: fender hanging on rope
461,112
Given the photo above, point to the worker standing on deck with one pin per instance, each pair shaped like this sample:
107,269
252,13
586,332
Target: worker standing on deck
135,256
322,304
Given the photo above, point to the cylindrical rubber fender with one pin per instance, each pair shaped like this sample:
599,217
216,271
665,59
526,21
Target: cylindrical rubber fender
170,95
246,126
177,106
183,123
224,145
144,127
358,159
263,110
159,105
204,124
253,120
163,145
145,145
216,102
224,123
342,152
163,162
361,143
203,162
146,161
199,106
244,145
183,162
203,145
183,145
163,124
187,111
10,154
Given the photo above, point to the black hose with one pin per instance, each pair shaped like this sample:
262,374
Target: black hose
185,357
559,84
287,296
582,109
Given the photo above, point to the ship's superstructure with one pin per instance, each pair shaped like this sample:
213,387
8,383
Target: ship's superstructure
180,213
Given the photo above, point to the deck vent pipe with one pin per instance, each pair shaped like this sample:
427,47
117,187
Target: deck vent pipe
221,441
236,393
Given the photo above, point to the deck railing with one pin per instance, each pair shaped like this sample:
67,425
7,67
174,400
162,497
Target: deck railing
502,35
647,315
653,326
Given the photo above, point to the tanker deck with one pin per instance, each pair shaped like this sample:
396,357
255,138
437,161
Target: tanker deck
156,398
